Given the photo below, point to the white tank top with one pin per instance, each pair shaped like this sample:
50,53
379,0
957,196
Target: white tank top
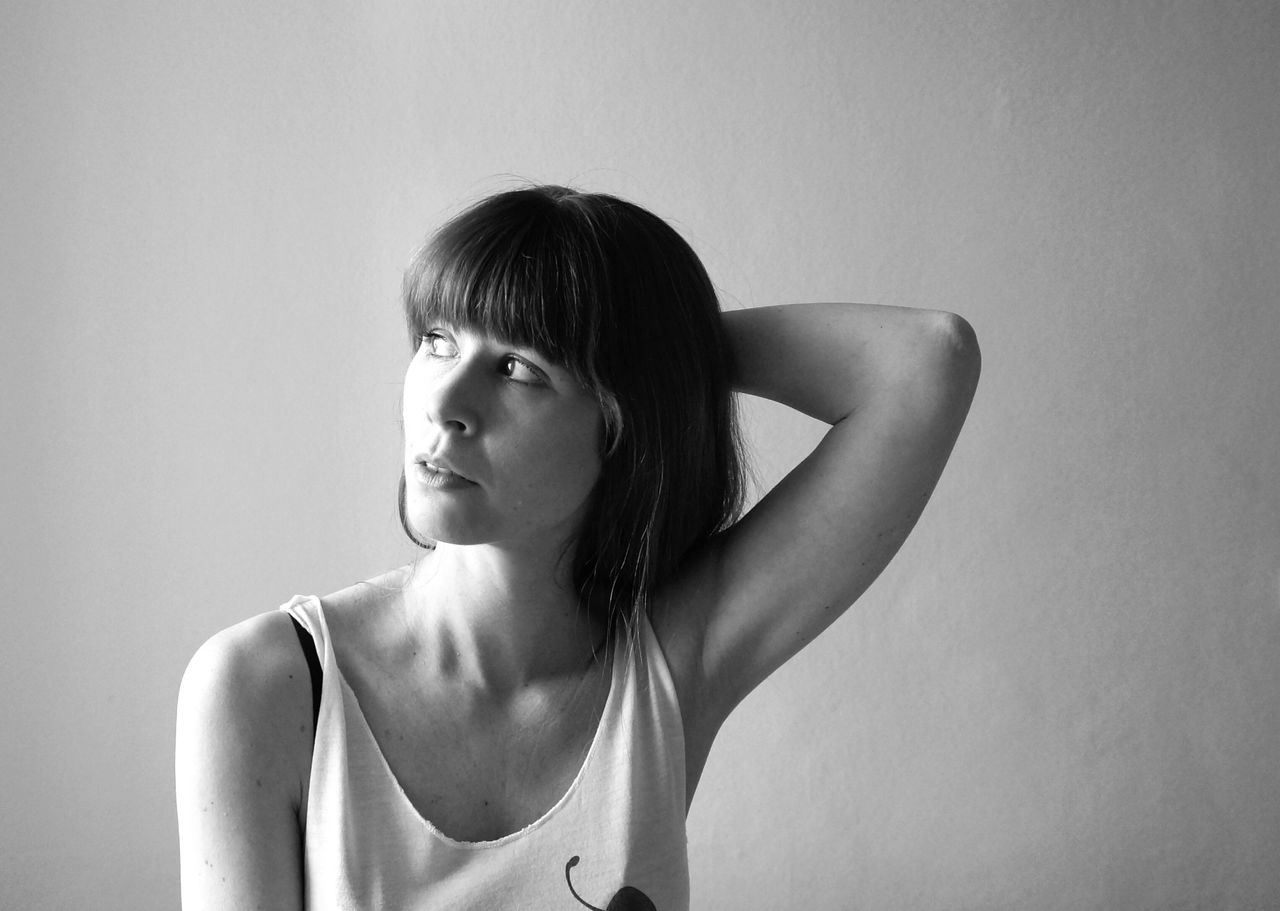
617,836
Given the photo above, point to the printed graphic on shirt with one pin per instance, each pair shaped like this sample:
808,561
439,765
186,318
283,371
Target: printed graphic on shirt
628,898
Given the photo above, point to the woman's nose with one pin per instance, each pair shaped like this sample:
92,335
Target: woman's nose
453,400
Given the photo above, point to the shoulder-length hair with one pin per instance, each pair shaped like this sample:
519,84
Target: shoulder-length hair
612,293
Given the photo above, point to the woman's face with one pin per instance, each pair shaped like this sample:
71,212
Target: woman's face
501,444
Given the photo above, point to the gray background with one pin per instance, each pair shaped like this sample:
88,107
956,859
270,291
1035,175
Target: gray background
1062,694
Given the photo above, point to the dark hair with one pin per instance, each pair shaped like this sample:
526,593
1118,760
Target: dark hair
616,296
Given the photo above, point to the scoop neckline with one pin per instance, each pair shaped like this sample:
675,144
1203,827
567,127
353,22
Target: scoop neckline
606,716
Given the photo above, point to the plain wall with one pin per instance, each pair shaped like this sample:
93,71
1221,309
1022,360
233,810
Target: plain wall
1063,693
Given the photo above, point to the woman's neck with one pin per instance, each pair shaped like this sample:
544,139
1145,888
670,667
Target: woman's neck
499,620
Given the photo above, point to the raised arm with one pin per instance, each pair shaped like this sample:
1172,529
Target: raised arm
243,749
895,384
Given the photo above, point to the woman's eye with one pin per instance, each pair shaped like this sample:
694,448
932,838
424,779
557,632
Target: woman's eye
438,345
516,369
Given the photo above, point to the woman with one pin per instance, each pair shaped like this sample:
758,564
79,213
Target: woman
520,718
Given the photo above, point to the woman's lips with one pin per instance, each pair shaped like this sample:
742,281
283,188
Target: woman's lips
439,477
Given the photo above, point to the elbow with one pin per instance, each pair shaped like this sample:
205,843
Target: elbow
943,375
956,338
954,351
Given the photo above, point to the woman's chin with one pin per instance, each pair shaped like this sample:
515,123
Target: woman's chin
440,532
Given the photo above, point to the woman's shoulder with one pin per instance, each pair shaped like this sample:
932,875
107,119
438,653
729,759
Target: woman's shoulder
244,716
243,756
356,617
249,675
362,597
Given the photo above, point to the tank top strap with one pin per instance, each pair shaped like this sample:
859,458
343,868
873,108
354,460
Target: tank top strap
306,610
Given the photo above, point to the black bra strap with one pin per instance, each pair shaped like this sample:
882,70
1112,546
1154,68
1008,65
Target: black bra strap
313,664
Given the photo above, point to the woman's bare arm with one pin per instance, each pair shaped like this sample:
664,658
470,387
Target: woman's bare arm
895,384
243,748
